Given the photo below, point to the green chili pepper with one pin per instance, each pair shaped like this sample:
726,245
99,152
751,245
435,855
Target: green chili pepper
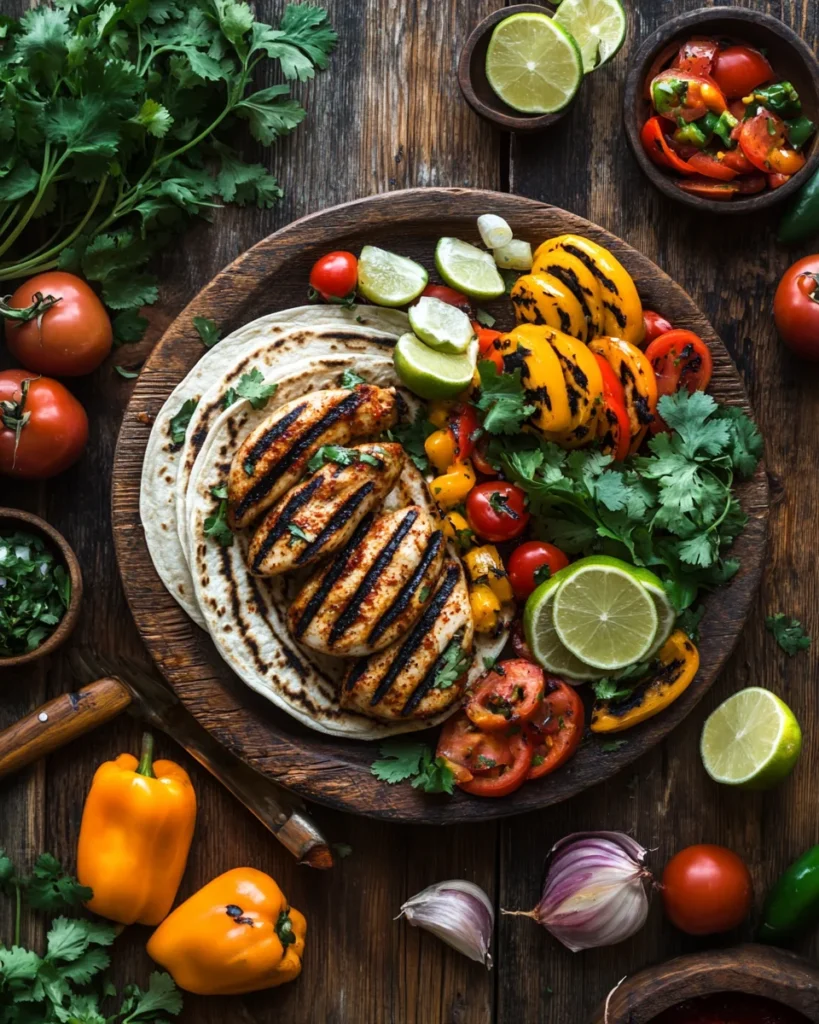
800,129
690,134
720,125
802,219
792,905
781,98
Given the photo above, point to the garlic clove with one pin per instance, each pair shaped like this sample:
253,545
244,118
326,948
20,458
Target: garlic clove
459,913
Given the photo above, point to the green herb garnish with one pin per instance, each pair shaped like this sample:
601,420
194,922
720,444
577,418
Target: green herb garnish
403,760
216,526
35,592
502,399
411,437
788,633
350,379
207,330
179,424
452,665
252,386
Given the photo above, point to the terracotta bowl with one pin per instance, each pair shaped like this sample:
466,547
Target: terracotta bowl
789,55
751,970
13,519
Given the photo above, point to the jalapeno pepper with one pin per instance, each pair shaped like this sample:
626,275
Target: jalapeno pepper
802,219
792,905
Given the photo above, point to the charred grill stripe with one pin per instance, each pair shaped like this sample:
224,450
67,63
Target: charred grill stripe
337,522
565,320
617,313
539,395
404,596
428,682
422,627
516,360
313,606
570,279
370,581
279,528
346,407
584,258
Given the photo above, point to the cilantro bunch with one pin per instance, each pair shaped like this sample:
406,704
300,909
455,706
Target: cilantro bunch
117,120
35,591
66,983
401,760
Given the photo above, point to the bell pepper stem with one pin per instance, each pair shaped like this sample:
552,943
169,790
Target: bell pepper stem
146,756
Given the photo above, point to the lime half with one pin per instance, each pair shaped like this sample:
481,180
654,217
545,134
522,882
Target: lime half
387,279
752,740
544,643
468,269
432,374
441,325
604,615
533,64
598,28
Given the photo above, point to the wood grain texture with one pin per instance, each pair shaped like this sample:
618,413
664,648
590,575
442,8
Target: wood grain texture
337,772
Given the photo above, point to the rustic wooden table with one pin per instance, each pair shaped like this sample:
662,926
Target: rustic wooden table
389,115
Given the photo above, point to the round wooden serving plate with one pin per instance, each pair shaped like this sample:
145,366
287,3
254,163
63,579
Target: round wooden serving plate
272,276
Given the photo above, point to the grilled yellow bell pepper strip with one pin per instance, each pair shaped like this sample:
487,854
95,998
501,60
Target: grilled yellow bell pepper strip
623,311
486,609
136,831
543,299
440,449
237,934
485,566
580,281
528,347
452,487
584,384
636,374
679,660
458,530
439,411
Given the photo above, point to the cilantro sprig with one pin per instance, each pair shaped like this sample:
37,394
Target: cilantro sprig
35,591
502,399
788,633
402,760
253,387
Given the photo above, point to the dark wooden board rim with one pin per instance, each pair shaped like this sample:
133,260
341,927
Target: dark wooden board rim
273,275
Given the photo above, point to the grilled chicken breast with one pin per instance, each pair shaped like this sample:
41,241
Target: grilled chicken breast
373,591
274,456
320,515
423,672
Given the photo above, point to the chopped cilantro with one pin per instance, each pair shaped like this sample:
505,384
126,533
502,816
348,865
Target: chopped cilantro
502,400
342,457
423,594
541,574
402,759
411,437
179,424
788,633
689,622
485,762
216,526
35,591
350,379
296,533
610,746
207,330
451,665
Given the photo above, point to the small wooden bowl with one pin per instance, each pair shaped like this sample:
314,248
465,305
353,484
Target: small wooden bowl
790,56
13,519
750,970
475,85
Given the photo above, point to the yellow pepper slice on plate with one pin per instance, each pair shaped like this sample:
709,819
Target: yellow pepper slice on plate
543,299
485,567
580,280
452,487
486,609
636,374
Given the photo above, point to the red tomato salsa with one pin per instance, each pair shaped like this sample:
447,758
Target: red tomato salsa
730,1008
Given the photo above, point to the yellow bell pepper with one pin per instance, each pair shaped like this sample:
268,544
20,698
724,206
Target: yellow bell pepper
541,373
486,609
679,660
485,566
440,449
438,411
458,530
584,383
636,374
236,934
543,299
135,835
579,278
452,487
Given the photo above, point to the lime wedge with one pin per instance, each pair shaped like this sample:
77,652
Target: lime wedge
387,279
468,269
441,325
544,643
431,374
604,615
598,28
533,64
752,740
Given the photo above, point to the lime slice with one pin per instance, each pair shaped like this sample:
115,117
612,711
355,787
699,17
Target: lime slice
752,740
468,269
440,325
666,616
432,374
544,643
598,28
533,64
604,615
387,279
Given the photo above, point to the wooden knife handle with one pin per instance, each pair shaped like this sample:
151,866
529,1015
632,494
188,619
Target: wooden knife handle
59,721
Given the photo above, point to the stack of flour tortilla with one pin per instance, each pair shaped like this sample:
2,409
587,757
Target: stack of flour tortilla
300,350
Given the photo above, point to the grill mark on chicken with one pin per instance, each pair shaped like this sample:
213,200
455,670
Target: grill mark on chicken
428,682
414,640
277,532
404,596
336,523
351,612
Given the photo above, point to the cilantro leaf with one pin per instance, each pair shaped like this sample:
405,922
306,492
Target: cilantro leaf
216,526
502,399
333,453
435,775
610,746
162,996
179,423
411,437
451,665
296,533
207,330
128,327
252,386
49,888
350,379
788,633
401,760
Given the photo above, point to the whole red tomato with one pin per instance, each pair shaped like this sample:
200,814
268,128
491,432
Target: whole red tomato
497,511
61,327
43,428
738,70
796,308
334,277
706,889
527,559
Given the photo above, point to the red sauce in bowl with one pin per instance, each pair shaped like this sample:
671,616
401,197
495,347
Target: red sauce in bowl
730,1008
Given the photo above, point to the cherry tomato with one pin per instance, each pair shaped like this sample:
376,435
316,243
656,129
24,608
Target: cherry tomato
655,325
486,345
450,296
749,184
614,427
659,151
763,140
778,180
707,188
67,331
497,511
737,161
697,56
796,308
463,424
738,70
334,277
52,437
510,694
680,359
556,728
480,461
700,95
710,167
497,762
527,559
706,889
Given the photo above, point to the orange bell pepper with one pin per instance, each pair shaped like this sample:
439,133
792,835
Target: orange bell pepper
135,835
236,935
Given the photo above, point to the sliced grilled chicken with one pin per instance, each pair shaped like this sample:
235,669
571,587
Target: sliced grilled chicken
373,591
321,514
274,456
423,672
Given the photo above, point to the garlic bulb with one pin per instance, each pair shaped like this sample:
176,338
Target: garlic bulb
459,913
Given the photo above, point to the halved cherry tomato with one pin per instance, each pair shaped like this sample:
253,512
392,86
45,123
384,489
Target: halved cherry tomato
697,56
450,296
710,167
655,325
509,695
527,559
696,95
556,729
480,461
334,277
738,70
614,428
505,779
680,359
763,140
656,146
497,511
464,744
778,180
737,161
660,62
463,424
487,348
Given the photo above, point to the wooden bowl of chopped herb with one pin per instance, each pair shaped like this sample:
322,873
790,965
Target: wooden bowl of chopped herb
40,588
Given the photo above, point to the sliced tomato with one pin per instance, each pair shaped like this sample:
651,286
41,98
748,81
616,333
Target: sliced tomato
508,695
707,188
463,743
463,424
710,167
487,348
655,325
505,779
680,95
680,359
480,461
737,161
697,56
656,146
738,70
557,728
660,63
778,180
614,428
750,184
763,140
450,296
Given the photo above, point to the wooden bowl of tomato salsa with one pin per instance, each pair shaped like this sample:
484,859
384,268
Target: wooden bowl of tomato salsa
746,985
790,57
